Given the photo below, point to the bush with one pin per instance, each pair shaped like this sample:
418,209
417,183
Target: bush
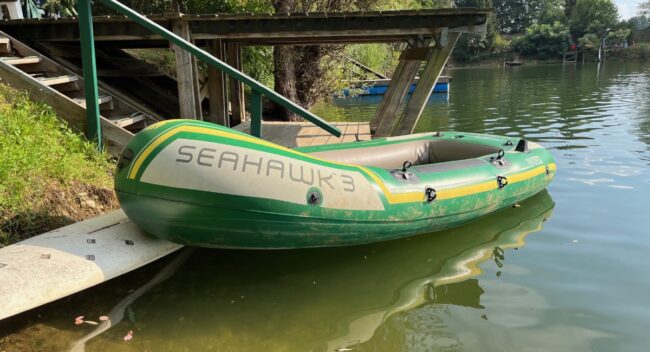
471,47
543,41
589,42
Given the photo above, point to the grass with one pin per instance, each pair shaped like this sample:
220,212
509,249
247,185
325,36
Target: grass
44,165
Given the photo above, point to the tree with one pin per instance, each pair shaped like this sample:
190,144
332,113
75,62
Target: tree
589,42
543,40
593,16
514,16
301,72
568,8
644,8
471,46
618,37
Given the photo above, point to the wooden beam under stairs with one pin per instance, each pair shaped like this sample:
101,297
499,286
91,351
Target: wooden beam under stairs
5,45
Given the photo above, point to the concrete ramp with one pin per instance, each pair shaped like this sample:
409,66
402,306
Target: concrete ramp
59,263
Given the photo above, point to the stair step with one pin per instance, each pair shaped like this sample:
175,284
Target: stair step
5,45
102,100
52,81
22,60
124,121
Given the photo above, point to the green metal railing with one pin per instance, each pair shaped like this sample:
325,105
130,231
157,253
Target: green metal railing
90,72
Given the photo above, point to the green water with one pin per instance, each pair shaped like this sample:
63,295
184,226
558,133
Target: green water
566,271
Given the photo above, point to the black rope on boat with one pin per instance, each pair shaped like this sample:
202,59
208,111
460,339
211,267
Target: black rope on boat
501,154
407,164
430,194
502,181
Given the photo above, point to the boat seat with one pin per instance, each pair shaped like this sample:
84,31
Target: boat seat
417,152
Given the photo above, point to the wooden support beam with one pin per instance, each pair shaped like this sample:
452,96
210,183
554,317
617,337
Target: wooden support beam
186,75
236,95
435,63
217,90
383,121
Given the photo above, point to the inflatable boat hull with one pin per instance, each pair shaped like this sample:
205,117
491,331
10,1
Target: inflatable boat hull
205,185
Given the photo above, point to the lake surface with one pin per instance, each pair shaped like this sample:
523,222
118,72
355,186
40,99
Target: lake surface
569,270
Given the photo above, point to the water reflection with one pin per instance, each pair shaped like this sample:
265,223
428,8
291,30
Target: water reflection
560,105
321,299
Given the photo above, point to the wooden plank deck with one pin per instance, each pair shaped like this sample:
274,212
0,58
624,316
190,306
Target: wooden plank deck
302,134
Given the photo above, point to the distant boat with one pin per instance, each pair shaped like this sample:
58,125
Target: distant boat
380,86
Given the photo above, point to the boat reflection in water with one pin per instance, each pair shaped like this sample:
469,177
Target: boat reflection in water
322,299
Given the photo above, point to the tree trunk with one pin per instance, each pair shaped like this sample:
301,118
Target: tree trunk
285,81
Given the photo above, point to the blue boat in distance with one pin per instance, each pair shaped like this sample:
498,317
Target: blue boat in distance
379,86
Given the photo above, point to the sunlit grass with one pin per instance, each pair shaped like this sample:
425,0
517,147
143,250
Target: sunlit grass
40,154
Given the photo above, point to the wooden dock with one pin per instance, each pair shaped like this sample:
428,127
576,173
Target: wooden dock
303,134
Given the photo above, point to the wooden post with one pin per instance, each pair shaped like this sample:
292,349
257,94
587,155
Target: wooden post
217,89
256,114
237,107
408,66
186,77
435,63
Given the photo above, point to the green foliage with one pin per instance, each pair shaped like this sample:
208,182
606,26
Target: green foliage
472,47
514,16
258,63
618,37
568,7
589,42
37,149
593,16
379,57
644,8
64,8
543,40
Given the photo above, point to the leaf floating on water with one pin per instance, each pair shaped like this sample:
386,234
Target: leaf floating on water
129,336
516,205
103,318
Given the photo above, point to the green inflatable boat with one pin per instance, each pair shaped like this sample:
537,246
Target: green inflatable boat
205,185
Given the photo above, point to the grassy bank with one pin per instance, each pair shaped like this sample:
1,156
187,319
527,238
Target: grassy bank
49,175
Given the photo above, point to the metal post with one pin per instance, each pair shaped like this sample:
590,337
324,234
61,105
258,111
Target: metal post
94,127
256,113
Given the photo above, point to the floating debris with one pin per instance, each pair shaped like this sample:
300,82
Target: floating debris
103,318
516,205
79,320
128,337
90,322
574,241
343,349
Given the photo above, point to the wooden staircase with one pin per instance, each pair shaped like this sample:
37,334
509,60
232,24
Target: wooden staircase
49,82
